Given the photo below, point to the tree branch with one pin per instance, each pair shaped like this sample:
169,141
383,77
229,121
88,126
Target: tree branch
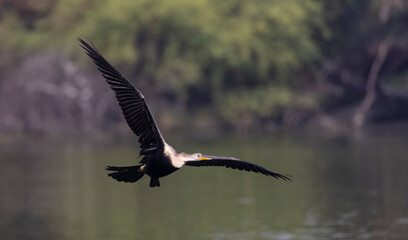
372,85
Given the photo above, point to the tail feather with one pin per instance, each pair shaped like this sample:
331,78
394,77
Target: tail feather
126,174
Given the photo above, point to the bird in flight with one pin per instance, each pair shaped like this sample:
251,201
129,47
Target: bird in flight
159,158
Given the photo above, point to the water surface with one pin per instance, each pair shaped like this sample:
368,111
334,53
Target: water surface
349,187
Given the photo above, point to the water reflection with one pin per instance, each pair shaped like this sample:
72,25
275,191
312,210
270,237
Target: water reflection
343,188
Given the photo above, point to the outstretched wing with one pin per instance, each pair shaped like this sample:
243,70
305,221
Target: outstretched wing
131,101
234,163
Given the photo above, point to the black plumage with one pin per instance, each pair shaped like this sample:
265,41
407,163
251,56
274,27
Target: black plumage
160,159
235,163
131,101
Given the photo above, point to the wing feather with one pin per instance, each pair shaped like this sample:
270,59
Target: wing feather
131,101
235,163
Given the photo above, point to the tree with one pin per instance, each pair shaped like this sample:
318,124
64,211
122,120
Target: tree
366,51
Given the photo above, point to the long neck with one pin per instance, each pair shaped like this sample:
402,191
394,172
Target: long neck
177,159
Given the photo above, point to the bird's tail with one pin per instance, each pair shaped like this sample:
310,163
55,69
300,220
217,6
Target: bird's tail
126,174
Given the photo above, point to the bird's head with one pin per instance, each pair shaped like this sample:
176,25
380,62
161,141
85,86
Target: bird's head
194,157
199,156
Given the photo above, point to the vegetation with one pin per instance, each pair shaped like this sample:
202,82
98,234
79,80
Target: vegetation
262,62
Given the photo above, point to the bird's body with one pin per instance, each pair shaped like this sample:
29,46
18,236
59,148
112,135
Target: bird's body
160,159
161,164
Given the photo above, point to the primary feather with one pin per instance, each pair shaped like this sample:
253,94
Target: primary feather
234,163
131,101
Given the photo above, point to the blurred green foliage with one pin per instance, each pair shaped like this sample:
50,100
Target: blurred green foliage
194,51
241,58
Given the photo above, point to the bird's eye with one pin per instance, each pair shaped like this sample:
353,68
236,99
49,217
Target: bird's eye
199,155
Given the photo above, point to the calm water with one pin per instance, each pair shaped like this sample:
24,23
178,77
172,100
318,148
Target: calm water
344,188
